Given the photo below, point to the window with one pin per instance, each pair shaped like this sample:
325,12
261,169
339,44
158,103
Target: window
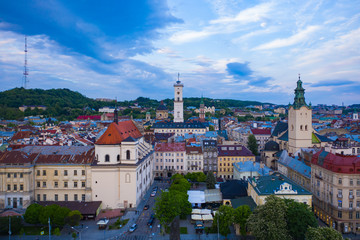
83,197
44,172
350,215
21,201
75,184
340,181
301,127
65,197
56,197
128,154
351,182
118,158
44,197
9,187
358,193
38,197
339,214
38,184
44,184
358,204
75,172
15,175
351,203
83,172
38,174
9,175
83,184
65,172
65,184
107,158
75,197
56,173
56,184
358,181
21,176
357,215
15,187
21,187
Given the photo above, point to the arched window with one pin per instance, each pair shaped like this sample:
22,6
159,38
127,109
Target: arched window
301,127
107,158
118,158
305,127
128,154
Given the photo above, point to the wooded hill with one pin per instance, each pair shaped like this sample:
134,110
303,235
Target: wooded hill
68,104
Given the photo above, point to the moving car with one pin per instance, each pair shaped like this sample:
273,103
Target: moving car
151,220
153,194
133,227
146,207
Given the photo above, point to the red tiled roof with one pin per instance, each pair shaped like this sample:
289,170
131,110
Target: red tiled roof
193,150
261,131
170,147
117,132
337,163
21,135
16,157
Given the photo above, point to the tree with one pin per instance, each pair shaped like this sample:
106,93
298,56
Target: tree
252,144
224,217
323,233
16,225
241,215
48,212
268,221
73,218
211,128
210,180
299,218
32,213
183,184
60,215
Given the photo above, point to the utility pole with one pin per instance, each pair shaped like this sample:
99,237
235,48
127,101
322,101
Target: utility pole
49,229
9,227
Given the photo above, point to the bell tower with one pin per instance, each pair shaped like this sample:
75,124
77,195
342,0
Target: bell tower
178,101
300,121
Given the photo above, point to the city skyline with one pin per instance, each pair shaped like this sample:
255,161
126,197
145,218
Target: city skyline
223,49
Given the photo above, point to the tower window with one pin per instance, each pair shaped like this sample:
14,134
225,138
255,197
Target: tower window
301,127
128,154
118,158
107,158
306,128
178,99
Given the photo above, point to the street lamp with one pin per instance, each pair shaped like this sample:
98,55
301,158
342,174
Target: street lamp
79,231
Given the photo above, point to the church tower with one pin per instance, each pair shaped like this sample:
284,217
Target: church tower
202,110
178,102
300,121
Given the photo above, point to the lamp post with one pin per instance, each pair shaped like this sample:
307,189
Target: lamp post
79,231
49,229
9,228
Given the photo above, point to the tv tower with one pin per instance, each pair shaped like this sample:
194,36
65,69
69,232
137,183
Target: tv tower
26,73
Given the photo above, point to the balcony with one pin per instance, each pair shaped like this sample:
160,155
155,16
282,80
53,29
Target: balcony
318,176
339,196
351,196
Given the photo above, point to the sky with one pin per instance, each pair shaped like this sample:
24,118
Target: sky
223,49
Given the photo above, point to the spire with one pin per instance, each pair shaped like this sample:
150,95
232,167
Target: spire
299,99
178,81
116,118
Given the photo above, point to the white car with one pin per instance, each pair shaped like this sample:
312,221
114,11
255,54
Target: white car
133,227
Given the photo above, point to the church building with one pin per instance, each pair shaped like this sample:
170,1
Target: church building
123,169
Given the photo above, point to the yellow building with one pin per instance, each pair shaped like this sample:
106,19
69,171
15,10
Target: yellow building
230,154
259,188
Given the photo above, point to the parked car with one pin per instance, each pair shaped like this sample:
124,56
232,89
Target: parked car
151,220
153,194
146,207
133,227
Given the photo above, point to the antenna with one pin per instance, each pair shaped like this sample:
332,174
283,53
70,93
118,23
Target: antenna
26,73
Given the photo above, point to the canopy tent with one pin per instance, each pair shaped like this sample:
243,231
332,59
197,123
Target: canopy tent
207,217
196,211
196,217
196,198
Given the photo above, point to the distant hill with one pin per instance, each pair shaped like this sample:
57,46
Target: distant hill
68,104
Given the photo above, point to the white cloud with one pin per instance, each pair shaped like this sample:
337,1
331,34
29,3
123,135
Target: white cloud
294,39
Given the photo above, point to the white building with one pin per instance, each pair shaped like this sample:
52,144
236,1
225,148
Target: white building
124,167
178,102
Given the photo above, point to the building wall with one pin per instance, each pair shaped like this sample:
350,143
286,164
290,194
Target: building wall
195,162
180,131
226,165
169,161
300,128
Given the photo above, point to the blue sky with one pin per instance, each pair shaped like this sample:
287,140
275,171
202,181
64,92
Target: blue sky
247,50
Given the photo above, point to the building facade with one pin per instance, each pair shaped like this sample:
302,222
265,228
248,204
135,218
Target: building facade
170,158
194,159
209,148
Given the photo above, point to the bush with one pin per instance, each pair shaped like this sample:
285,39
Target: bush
16,224
183,230
56,232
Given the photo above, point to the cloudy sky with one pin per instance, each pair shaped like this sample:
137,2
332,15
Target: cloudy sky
247,50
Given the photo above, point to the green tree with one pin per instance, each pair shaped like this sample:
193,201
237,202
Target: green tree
268,221
73,218
48,212
60,215
211,128
299,217
16,225
210,180
323,233
200,176
32,213
252,144
241,215
183,184
224,217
